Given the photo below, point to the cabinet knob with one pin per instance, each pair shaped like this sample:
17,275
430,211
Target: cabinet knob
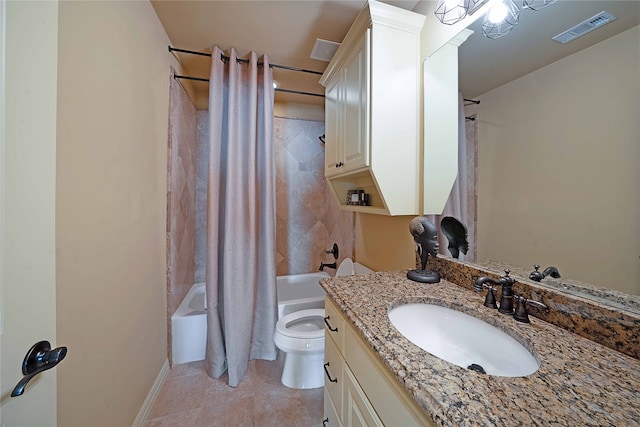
339,164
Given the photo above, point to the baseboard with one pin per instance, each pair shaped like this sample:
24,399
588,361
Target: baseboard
151,397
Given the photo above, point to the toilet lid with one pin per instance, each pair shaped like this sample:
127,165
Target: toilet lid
302,324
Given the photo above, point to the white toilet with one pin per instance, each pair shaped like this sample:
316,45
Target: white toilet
301,336
300,329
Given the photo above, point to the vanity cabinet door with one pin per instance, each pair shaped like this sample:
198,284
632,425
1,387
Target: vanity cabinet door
392,403
331,418
358,412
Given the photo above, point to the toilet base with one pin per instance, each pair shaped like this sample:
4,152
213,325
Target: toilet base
303,371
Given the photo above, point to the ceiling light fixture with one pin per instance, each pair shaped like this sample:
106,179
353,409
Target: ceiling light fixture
500,19
537,4
453,11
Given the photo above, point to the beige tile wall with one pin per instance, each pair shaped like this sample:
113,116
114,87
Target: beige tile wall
181,179
308,220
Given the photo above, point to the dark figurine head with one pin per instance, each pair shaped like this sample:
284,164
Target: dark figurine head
425,235
456,233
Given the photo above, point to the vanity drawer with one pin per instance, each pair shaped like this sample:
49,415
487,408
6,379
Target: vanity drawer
334,324
333,374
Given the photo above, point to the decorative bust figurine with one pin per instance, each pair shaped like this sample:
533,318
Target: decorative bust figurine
456,233
425,235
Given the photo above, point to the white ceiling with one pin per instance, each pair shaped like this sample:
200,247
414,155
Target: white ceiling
286,31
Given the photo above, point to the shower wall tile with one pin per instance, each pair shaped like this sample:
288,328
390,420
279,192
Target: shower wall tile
180,199
308,219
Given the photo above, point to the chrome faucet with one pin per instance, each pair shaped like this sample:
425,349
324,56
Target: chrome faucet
506,300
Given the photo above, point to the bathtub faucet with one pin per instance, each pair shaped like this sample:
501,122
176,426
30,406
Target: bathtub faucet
323,265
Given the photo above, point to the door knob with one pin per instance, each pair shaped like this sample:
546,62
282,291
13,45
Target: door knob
38,359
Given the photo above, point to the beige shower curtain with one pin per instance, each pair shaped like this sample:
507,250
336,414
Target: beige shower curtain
240,261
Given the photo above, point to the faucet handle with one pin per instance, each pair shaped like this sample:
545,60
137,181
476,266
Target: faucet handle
521,314
490,299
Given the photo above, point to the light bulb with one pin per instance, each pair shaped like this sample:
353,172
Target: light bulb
498,13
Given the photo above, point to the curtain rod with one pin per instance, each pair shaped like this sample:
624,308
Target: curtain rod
473,101
246,61
200,79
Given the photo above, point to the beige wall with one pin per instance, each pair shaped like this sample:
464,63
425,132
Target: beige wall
113,80
384,242
559,166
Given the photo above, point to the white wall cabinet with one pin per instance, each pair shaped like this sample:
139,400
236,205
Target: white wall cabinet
372,110
359,390
346,113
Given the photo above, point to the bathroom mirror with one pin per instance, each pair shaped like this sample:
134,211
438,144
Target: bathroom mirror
563,189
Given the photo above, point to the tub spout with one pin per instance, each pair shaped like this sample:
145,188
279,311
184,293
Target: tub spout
549,271
323,265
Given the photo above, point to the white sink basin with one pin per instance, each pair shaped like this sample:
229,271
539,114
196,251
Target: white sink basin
462,339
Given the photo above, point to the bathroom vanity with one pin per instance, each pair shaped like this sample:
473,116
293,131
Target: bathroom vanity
381,375
358,388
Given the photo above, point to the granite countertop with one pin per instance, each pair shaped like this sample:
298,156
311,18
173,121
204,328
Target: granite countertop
579,382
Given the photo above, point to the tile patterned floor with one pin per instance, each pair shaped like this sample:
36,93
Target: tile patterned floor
190,398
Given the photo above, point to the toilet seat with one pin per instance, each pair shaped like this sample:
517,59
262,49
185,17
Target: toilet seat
303,324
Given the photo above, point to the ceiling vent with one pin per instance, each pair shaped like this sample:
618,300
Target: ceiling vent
323,50
584,27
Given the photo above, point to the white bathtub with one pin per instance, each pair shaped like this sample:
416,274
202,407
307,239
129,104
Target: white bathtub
300,292
189,327
295,292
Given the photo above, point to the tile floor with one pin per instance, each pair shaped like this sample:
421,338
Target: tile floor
190,398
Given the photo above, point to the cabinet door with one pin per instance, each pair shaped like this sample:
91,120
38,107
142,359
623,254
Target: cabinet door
358,412
333,128
331,418
356,108
334,374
